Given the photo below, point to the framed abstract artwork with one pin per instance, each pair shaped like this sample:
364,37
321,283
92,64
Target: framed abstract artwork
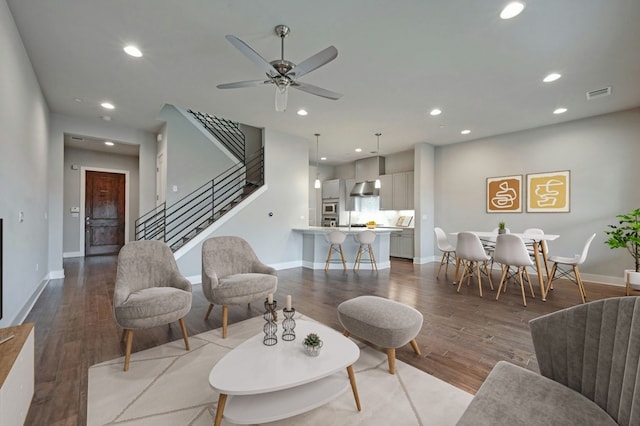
504,194
549,192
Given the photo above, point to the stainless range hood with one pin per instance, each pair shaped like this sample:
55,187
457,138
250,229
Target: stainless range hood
365,189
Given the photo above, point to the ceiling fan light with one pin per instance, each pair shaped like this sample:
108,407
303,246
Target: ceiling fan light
281,98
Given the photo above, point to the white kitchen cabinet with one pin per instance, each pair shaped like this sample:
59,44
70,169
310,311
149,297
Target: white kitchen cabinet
331,188
386,192
396,192
349,201
16,374
401,244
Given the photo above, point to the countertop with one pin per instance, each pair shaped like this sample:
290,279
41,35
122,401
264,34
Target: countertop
346,229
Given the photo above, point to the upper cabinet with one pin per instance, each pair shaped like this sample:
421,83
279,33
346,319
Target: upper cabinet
396,192
331,188
349,202
368,169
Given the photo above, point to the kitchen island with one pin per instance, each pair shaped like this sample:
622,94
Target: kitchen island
315,246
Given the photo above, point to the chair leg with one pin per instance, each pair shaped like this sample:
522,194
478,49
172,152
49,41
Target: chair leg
356,264
550,280
183,328
526,274
524,297
373,258
391,359
344,262
326,264
127,355
583,295
206,317
464,271
444,256
225,315
124,334
488,271
415,347
505,268
346,333
479,278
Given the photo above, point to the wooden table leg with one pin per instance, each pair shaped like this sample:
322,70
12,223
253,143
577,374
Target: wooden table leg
536,255
222,400
354,388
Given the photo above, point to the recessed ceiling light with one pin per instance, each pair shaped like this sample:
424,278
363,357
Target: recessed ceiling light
552,77
132,50
109,143
302,112
435,111
107,105
323,158
512,10
358,149
465,131
560,111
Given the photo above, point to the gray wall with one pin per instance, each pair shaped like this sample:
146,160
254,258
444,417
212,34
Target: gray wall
72,196
272,238
61,124
24,122
602,154
192,158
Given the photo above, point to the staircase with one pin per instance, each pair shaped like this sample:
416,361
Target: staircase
181,221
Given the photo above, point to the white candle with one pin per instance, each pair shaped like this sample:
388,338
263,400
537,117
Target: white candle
270,298
289,302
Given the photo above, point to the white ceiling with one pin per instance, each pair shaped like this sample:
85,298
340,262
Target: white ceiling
396,61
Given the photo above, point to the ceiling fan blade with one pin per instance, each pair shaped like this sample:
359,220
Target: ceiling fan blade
316,61
315,90
253,55
249,83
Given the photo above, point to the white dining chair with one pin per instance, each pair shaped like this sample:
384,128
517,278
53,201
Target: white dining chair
474,259
568,266
365,239
448,251
510,252
335,240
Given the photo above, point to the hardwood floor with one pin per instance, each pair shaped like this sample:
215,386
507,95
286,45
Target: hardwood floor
463,335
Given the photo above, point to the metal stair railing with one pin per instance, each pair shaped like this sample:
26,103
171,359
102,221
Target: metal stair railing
178,223
227,132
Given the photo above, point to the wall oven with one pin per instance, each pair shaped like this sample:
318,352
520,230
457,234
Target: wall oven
330,221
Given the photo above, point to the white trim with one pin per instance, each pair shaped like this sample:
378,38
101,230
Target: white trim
21,316
55,275
127,204
72,254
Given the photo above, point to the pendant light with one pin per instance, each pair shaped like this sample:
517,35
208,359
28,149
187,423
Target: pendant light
378,184
317,184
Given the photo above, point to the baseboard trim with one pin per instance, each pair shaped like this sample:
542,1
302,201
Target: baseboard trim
72,254
55,275
26,308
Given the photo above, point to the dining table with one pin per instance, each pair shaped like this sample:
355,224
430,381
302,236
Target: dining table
533,239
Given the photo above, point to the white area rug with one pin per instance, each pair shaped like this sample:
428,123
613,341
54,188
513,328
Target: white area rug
169,386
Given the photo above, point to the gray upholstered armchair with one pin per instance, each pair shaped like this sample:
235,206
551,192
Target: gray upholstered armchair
590,371
149,290
232,274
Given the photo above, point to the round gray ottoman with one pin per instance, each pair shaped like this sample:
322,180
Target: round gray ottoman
383,322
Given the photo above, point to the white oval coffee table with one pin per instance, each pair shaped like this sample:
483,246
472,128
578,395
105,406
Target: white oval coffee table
259,383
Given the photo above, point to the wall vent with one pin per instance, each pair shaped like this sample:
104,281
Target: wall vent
77,138
598,93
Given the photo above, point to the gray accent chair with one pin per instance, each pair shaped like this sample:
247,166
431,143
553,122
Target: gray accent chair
149,291
232,274
590,371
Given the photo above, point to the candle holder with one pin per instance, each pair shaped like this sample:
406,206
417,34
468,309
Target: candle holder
270,327
288,324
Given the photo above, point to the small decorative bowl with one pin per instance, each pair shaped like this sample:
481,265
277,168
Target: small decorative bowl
371,226
313,350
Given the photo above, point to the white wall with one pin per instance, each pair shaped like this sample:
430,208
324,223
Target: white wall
424,202
272,238
602,154
61,124
24,122
72,226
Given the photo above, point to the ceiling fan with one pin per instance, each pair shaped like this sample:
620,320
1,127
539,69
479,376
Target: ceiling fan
282,73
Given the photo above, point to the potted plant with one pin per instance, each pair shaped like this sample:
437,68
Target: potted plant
312,344
501,228
626,234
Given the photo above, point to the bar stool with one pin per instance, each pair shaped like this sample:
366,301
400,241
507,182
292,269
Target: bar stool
335,240
365,238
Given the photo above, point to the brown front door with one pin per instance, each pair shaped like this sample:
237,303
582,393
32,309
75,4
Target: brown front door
104,213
